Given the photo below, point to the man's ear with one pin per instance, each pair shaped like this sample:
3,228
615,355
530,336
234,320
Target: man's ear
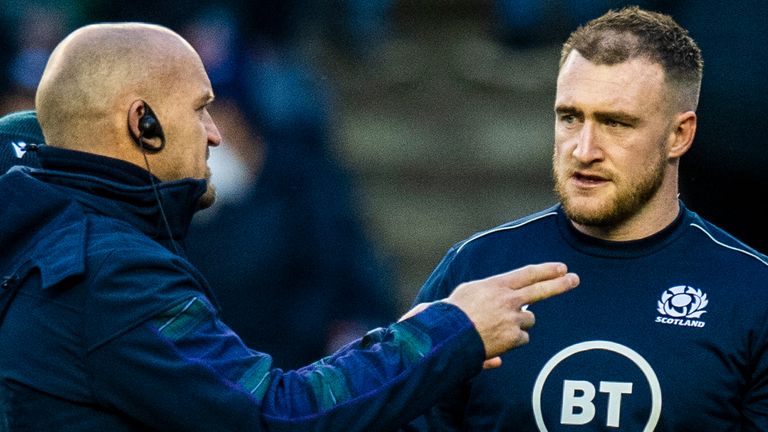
681,137
144,127
135,111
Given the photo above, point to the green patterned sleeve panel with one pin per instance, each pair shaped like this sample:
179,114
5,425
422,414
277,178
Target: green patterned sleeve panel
388,372
182,319
197,334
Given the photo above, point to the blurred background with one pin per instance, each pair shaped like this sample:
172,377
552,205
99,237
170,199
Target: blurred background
364,137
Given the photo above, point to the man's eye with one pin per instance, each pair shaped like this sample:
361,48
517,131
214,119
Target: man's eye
614,123
567,118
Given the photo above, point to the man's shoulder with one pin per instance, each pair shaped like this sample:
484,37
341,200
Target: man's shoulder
492,251
131,278
725,246
48,229
41,228
532,224
107,234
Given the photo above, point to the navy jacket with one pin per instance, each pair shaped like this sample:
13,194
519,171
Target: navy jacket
107,327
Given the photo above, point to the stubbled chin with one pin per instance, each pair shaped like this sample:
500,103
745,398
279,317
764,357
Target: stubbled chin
208,197
586,206
582,204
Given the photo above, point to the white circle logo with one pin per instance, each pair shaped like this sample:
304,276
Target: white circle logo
637,359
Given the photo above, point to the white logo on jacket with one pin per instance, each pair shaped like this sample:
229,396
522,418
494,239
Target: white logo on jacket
19,148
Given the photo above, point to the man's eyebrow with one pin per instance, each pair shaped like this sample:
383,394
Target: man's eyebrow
567,109
205,99
619,116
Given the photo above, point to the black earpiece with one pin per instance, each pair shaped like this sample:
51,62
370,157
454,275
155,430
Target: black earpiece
149,128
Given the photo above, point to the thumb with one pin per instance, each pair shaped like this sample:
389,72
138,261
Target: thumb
492,363
416,309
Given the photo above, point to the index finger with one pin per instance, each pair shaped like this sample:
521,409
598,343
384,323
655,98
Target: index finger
547,288
529,275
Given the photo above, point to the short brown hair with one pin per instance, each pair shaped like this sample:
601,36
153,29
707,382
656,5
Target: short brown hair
631,32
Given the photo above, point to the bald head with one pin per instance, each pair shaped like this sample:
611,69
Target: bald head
102,79
94,74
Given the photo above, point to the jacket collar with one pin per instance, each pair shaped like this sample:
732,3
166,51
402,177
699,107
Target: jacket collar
123,191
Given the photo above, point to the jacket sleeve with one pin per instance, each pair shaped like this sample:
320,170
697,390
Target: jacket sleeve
447,413
185,370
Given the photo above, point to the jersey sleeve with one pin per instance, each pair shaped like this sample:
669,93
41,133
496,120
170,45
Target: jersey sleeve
755,411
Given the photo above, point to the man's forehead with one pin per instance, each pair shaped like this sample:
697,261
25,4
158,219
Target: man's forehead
575,63
190,78
634,77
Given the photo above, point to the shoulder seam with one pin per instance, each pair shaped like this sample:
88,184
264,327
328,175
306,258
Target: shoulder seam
502,228
719,243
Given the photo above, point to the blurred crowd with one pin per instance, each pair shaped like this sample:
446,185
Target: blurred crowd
285,246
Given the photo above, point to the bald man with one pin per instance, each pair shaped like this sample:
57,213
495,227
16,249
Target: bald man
104,325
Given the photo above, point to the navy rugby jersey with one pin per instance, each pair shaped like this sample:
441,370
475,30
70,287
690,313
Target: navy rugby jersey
666,333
